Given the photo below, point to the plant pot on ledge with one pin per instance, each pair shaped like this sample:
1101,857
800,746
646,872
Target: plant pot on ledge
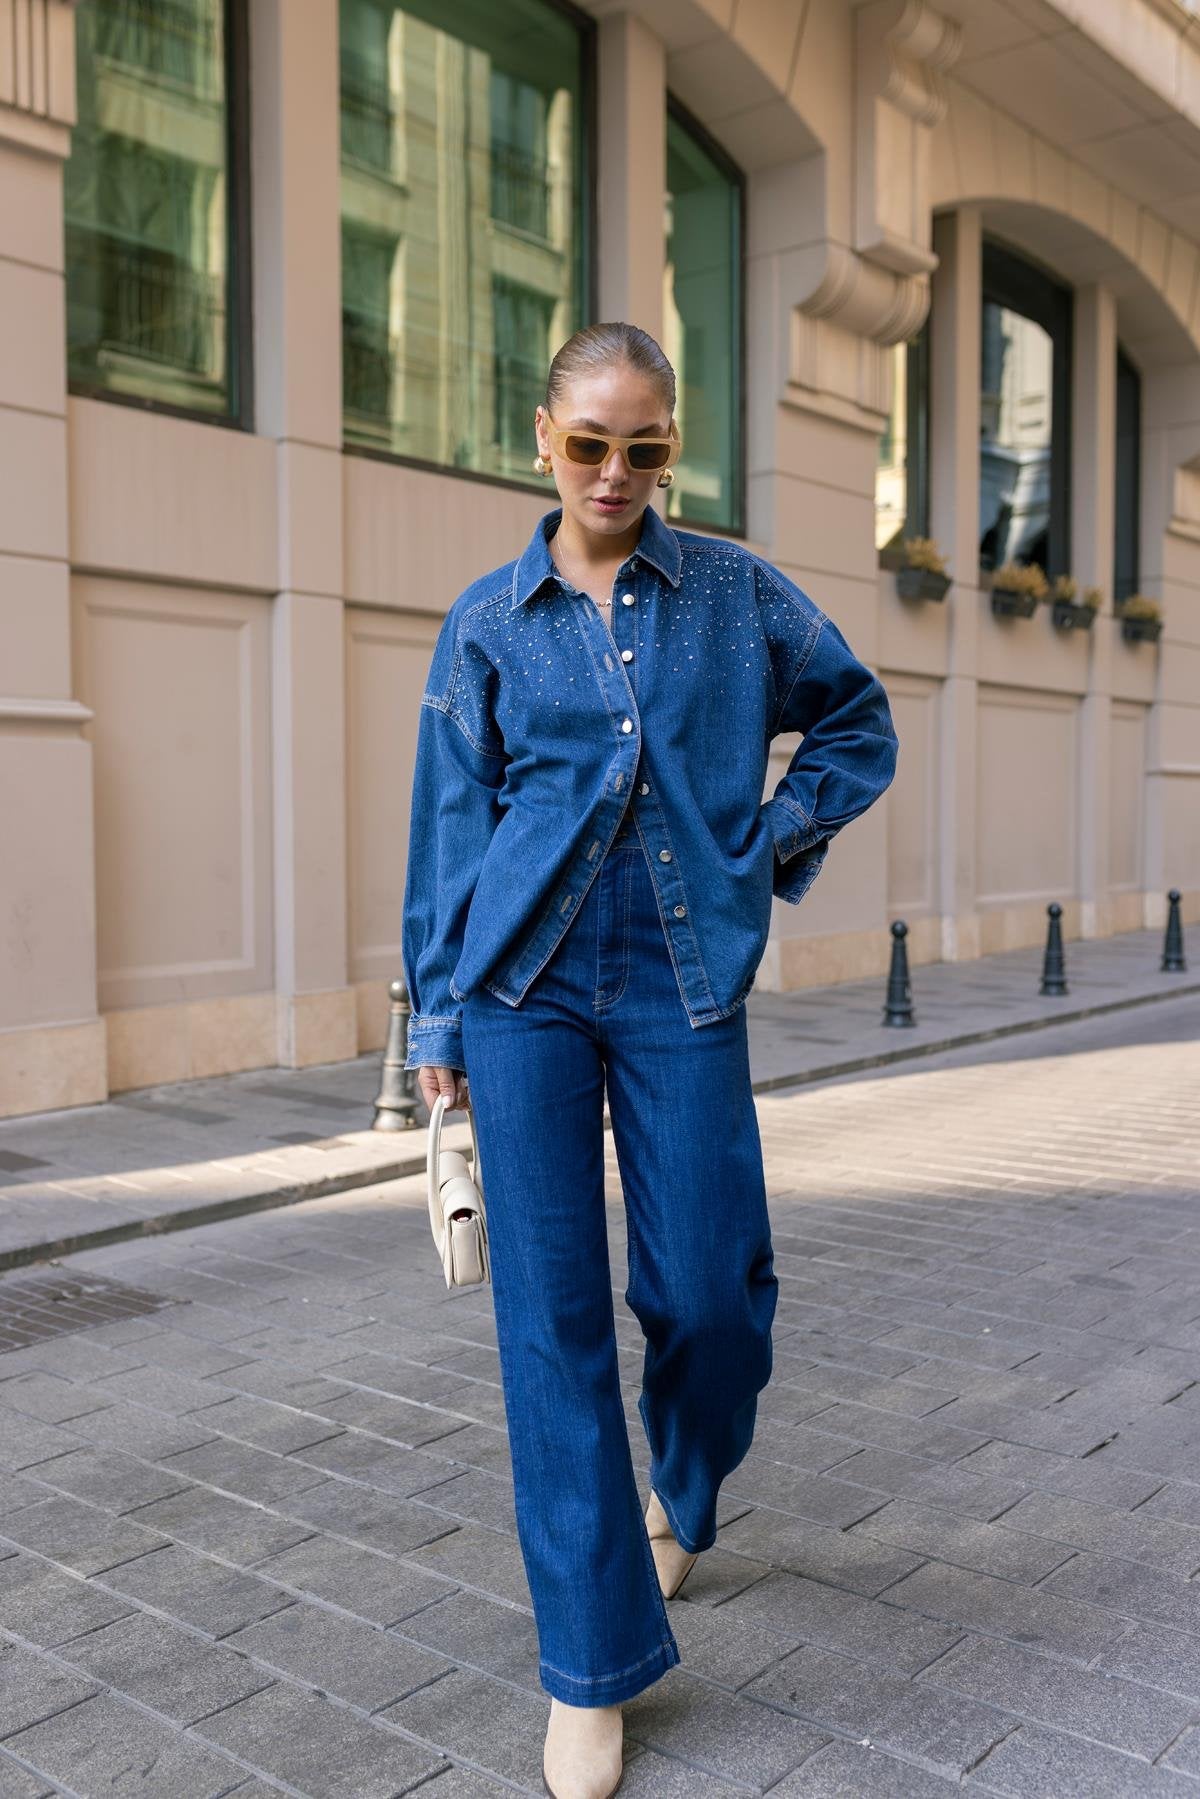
921,584
1070,617
1008,603
1139,630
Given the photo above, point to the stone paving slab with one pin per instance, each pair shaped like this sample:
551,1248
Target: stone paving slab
261,1540
201,1151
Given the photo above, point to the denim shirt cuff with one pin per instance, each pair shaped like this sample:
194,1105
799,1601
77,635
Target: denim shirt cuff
435,1043
800,849
792,829
794,878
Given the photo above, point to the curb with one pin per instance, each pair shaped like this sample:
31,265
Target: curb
964,1039
293,1193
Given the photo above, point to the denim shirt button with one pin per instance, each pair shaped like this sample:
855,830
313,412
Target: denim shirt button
627,725
664,855
626,655
644,787
680,911
627,599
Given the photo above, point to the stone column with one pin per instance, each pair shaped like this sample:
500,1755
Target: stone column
954,521
295,177
1093,473
840,260
1170,534
632,132
52,1041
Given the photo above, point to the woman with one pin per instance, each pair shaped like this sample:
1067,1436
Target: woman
590,875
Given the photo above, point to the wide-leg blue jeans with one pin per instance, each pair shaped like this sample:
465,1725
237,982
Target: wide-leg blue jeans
607,1008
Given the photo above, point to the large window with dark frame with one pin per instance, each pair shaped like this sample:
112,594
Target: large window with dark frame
1025,415
466,221
1128,495
155,197
702,323
902,466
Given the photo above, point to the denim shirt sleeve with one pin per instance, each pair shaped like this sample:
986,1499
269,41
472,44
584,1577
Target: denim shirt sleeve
848,756
458,772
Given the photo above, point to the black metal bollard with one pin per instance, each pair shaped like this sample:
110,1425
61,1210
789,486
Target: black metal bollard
396,1106
898,1007
1173,960
1054,970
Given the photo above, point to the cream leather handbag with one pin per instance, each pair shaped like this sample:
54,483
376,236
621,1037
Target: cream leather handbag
456,1209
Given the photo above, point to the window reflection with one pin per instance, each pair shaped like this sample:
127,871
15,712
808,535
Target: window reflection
891,485
463,223
702,326
1015,432
902,468
520,154
146,204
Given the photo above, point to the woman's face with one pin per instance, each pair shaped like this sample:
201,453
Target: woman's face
606,500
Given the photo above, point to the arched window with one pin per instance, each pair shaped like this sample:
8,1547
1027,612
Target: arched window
702,323
155,207
1127,499
465,223
902,468
1025,415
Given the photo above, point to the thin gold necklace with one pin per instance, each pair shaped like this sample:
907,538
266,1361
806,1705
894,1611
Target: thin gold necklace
571,578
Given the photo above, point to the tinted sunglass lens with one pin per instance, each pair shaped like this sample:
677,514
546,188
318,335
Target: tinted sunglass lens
590,450
648,455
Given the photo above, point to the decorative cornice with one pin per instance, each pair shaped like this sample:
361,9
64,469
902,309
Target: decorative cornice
919,47
844,314
903,51
866,299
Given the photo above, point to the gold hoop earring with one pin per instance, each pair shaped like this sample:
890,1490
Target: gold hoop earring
540,466
667,478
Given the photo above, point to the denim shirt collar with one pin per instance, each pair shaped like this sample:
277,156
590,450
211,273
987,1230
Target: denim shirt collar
657,545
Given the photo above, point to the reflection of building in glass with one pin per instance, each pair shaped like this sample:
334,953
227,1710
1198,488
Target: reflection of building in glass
146,203
702,325
1014,438
461,209
891,474
902,458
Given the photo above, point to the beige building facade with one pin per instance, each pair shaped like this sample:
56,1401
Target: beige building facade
214,634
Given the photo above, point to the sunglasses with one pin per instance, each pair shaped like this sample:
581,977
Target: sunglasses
593,449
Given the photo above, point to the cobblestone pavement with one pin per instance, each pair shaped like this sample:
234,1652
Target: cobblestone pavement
201,1150
260,1538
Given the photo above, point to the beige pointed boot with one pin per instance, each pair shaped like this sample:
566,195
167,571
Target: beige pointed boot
673,1563
582,1758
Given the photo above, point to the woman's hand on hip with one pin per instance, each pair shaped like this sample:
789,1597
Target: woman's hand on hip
451,1082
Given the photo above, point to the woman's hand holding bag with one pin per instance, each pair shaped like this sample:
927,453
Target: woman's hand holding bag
456,1209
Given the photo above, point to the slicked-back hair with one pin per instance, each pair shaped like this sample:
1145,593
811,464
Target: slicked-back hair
597,347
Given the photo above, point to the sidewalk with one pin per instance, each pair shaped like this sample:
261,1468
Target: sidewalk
165,1158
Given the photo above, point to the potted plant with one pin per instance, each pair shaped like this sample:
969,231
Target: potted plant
923,575
1141,617
1016,589
1065,611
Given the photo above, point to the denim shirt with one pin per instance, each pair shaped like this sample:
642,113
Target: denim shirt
541,724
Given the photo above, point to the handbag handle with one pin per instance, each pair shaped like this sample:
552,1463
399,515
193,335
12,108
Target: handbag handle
433,1165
